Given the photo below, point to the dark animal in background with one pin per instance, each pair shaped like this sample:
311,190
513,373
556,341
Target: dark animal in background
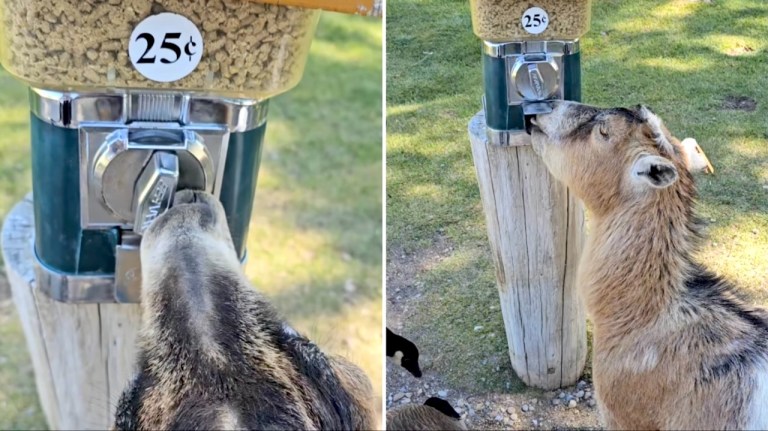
404,352
214,354
434,414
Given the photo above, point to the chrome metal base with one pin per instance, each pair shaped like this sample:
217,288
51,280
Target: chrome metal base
506,49
95,289
75,289
508,138
71,110
514,138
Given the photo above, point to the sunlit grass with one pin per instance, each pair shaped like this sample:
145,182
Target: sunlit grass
314,246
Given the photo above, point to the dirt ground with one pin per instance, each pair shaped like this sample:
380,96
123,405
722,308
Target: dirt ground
523,408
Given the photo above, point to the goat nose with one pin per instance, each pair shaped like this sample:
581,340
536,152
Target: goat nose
530,121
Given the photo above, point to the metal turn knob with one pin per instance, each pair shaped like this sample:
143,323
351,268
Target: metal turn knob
154,190
536,81
128,162
535,77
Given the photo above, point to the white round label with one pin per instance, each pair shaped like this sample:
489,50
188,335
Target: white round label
165,47
535,20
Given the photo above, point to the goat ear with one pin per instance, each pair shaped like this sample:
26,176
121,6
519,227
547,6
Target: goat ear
695,158
654,171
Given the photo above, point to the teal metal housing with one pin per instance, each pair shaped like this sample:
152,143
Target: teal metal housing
64,247
499,114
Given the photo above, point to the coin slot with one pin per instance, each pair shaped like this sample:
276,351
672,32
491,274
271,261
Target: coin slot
157,138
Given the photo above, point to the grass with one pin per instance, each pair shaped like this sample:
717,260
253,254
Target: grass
681,57
315,240
19,408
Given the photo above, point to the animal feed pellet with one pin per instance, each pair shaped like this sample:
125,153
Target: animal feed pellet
503,20
251,49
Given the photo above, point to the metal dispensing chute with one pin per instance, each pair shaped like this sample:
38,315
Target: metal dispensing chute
132,101
530,55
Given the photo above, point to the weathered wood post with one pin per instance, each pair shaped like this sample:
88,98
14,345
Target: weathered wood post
536,231
530,54
82,354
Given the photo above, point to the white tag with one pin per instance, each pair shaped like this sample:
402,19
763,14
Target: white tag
535,20
165,47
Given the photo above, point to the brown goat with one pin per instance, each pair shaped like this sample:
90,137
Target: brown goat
674,347
214,354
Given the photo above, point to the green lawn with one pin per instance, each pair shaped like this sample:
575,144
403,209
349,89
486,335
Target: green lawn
315,239
681,57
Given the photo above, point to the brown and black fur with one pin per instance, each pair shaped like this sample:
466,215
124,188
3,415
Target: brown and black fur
674,346
434,414
214,354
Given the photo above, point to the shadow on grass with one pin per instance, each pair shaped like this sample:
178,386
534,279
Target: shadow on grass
462,284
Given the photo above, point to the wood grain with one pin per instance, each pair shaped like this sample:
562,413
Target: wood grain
82,354
536,230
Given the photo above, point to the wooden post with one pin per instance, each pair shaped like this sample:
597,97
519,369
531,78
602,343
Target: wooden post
83,355
536,231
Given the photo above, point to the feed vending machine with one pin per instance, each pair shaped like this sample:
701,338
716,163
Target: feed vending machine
530,55
131,101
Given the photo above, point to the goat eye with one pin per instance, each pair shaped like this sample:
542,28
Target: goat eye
603,129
